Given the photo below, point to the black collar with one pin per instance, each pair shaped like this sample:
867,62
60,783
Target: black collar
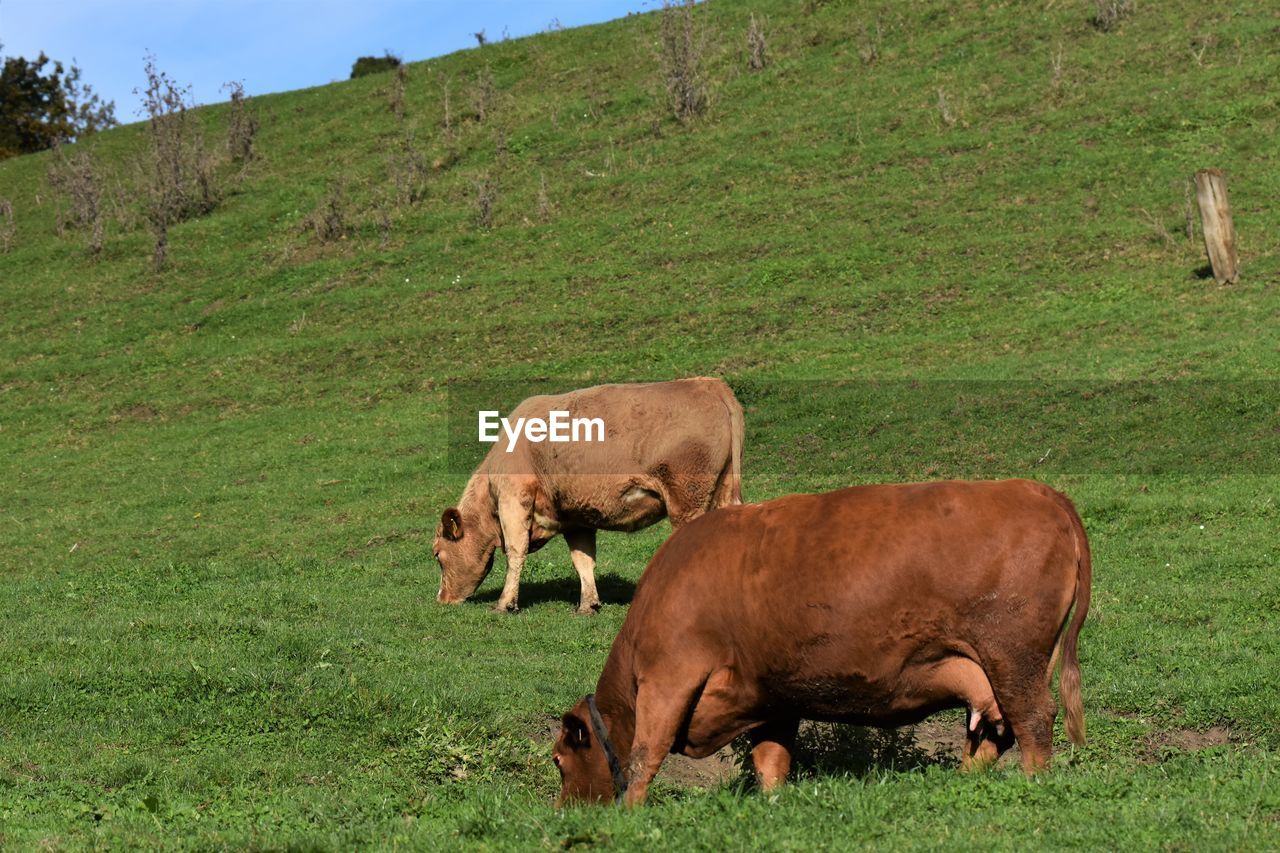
602,734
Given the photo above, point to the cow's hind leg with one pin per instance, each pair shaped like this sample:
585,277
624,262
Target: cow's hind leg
1029,710
771,747
582,550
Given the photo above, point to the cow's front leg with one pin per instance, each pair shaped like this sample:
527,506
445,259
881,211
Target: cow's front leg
582,549
515,518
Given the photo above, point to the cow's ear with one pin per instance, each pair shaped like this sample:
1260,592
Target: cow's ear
451,524
576,735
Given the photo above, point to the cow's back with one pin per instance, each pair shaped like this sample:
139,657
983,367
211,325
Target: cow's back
872,573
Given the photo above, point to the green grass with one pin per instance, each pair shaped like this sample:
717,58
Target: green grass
221,480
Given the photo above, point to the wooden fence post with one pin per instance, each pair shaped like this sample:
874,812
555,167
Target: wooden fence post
1215,222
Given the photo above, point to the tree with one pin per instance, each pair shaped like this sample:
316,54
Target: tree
40,108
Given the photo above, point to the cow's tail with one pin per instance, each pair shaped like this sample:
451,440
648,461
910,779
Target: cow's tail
737,429
1068,640
731,480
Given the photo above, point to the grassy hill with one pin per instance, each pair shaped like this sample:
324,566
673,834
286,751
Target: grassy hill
222,478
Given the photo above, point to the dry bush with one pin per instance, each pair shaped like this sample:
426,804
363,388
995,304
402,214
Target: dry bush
396,97
179,175
1109,13
486,197
408,169
329,221
8,228
683,49
482,94
481,39
757,50
74,180
242,124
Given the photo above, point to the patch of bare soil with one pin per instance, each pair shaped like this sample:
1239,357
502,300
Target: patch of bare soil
1159,743
709,772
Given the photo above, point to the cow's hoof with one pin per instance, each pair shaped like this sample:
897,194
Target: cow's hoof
588,609
506,608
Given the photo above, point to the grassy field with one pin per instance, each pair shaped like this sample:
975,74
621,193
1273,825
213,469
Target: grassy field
221,479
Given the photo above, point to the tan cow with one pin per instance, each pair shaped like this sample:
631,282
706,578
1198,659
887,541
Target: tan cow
876,605
670,449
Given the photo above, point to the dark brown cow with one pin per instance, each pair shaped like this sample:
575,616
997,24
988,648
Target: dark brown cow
875,605
671,449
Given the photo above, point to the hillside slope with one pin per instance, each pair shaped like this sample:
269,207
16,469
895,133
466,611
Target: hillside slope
222,477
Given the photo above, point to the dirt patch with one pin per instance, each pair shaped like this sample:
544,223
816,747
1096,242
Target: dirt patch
1159,744
136,412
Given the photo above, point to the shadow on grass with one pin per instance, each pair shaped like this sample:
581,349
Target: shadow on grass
834,749
613,589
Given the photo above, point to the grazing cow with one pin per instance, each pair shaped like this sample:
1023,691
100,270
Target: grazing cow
875,605
670,449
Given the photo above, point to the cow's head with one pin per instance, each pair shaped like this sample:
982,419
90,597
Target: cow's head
464,549
578,755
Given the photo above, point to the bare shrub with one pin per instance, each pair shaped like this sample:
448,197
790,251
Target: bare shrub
408,170
683,47
757,50
74,180
1109,13
482,94
396,97
481,40
179,174
8,228
242,124
486,197
329,220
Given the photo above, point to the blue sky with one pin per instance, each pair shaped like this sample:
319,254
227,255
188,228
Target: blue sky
270,46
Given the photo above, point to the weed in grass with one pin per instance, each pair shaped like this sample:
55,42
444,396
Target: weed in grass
1108,14
869,43
543,201
757,48
8,227
486,195
482,94
944,109
447,122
